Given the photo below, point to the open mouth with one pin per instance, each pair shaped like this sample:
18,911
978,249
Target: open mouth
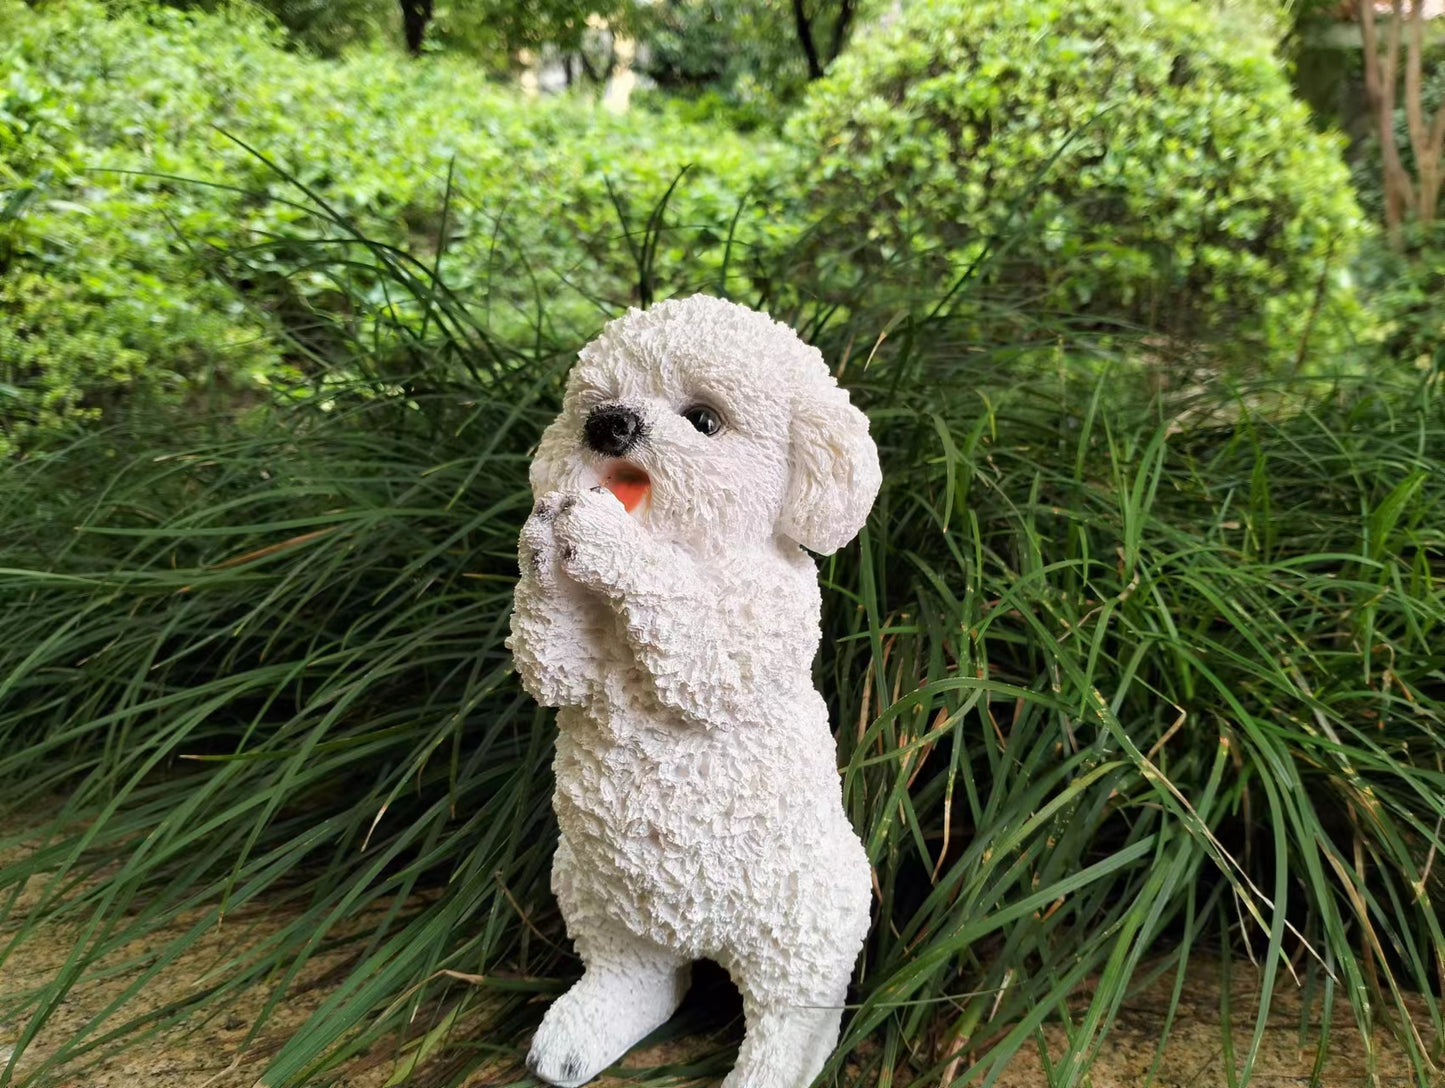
630,484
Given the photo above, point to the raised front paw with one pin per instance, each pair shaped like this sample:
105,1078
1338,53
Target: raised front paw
552,617
537,556
597,541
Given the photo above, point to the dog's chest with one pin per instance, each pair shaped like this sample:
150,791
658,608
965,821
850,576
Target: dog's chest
687,805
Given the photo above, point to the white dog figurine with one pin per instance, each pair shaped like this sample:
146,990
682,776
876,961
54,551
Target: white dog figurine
667,609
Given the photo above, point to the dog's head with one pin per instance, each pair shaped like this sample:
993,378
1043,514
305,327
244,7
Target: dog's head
713,424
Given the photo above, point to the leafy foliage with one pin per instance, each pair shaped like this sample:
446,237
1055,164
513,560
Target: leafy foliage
1114,674
502,28
143,233
1146,160
723,57
1403,284
326,27
1111,676
744,58
486,31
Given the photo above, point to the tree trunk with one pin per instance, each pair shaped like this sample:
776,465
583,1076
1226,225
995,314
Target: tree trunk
1427,141
1380,91
805,39
415,15
840,29
1417,197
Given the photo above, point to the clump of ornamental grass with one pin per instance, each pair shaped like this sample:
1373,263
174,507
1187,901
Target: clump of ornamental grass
1116,678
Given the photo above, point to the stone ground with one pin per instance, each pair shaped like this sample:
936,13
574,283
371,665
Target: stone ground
206,1055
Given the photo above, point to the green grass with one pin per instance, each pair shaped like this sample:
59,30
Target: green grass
1170,681
1114,677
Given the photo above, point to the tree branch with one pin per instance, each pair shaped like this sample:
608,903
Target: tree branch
1437,134
415,15
805,39
587,69
846,10
1380,91
1428,142
1414,117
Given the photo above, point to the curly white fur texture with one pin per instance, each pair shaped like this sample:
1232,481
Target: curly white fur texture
697,794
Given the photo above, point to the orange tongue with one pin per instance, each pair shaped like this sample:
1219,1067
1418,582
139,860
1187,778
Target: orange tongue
631,486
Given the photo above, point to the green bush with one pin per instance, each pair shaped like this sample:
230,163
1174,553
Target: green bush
1144,160
1115,684
1403,288
737,59
322,27
120,278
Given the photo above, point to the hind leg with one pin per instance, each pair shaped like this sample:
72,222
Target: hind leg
787,1044
629,988
792,964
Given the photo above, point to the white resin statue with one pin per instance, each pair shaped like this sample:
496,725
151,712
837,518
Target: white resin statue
667,609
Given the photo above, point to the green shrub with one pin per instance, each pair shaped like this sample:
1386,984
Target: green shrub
323,27
1114,684
1403,288
120,280
1145,161
735,59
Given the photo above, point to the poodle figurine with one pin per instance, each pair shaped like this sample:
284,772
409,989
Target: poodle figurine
667,609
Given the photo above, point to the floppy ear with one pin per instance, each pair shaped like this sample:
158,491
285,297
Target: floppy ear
545,471
833,473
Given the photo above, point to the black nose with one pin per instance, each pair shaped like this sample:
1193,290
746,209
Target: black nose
612,429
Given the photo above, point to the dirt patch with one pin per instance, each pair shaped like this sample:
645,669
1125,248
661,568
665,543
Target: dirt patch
1196,1055
211,1053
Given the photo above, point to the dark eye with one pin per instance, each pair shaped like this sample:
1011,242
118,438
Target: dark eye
704,419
